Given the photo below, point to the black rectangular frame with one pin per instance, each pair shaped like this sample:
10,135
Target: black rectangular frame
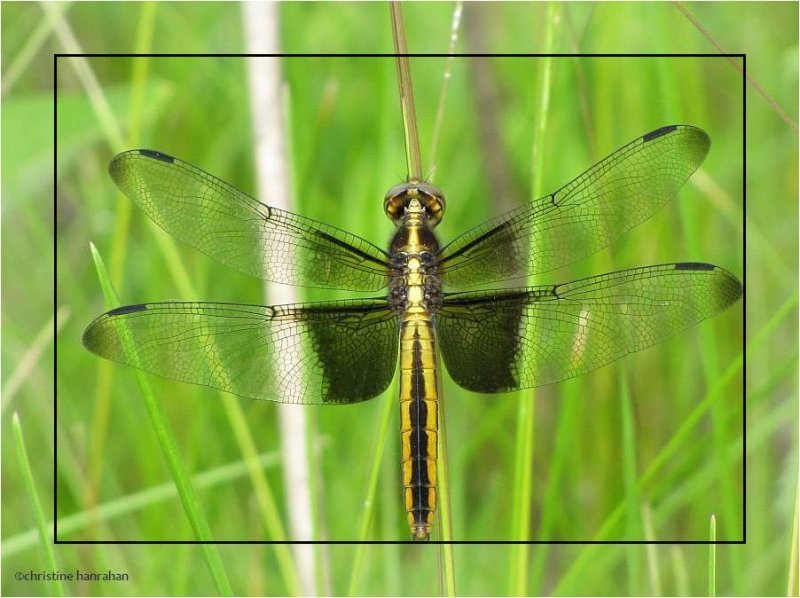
743,57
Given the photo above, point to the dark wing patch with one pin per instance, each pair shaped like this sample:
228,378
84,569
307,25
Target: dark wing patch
241,232
582,217
323,353
480,338
498,341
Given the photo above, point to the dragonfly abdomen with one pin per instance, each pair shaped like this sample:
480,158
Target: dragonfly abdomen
419,393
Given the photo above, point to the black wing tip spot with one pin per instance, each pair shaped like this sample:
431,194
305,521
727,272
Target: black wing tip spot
126,309
694,266
697,134
658,133
156,155
119,165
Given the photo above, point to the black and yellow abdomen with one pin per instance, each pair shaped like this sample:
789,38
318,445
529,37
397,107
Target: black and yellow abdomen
419,395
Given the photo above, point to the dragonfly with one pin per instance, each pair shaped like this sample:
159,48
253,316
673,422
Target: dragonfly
427,300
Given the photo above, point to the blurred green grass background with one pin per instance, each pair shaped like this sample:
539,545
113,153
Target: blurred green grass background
663,483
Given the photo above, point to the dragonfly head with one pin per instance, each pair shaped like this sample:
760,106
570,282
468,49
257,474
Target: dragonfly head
411,196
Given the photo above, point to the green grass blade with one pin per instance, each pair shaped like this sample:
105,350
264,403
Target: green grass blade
565,440
32,355
105,116
119,245
265,499
28,53
712,557
371,491
791,586
144,36
523,491
680,572
36,504
137,501
523,467
653,566
169,448
445,521
633,525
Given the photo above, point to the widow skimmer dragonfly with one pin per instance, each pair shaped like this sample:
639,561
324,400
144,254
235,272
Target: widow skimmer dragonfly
491,341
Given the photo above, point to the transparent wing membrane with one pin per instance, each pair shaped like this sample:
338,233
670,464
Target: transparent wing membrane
323,353
582,217
243,233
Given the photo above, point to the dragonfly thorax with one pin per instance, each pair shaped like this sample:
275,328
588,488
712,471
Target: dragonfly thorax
414,197
413,254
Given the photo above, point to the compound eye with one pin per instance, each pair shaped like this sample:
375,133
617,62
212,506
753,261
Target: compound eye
433,200
394,202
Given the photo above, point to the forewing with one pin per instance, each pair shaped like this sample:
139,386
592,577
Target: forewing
498,341
335,352
582,217
241,232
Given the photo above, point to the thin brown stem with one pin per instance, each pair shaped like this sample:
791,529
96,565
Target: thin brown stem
737,65
413,156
